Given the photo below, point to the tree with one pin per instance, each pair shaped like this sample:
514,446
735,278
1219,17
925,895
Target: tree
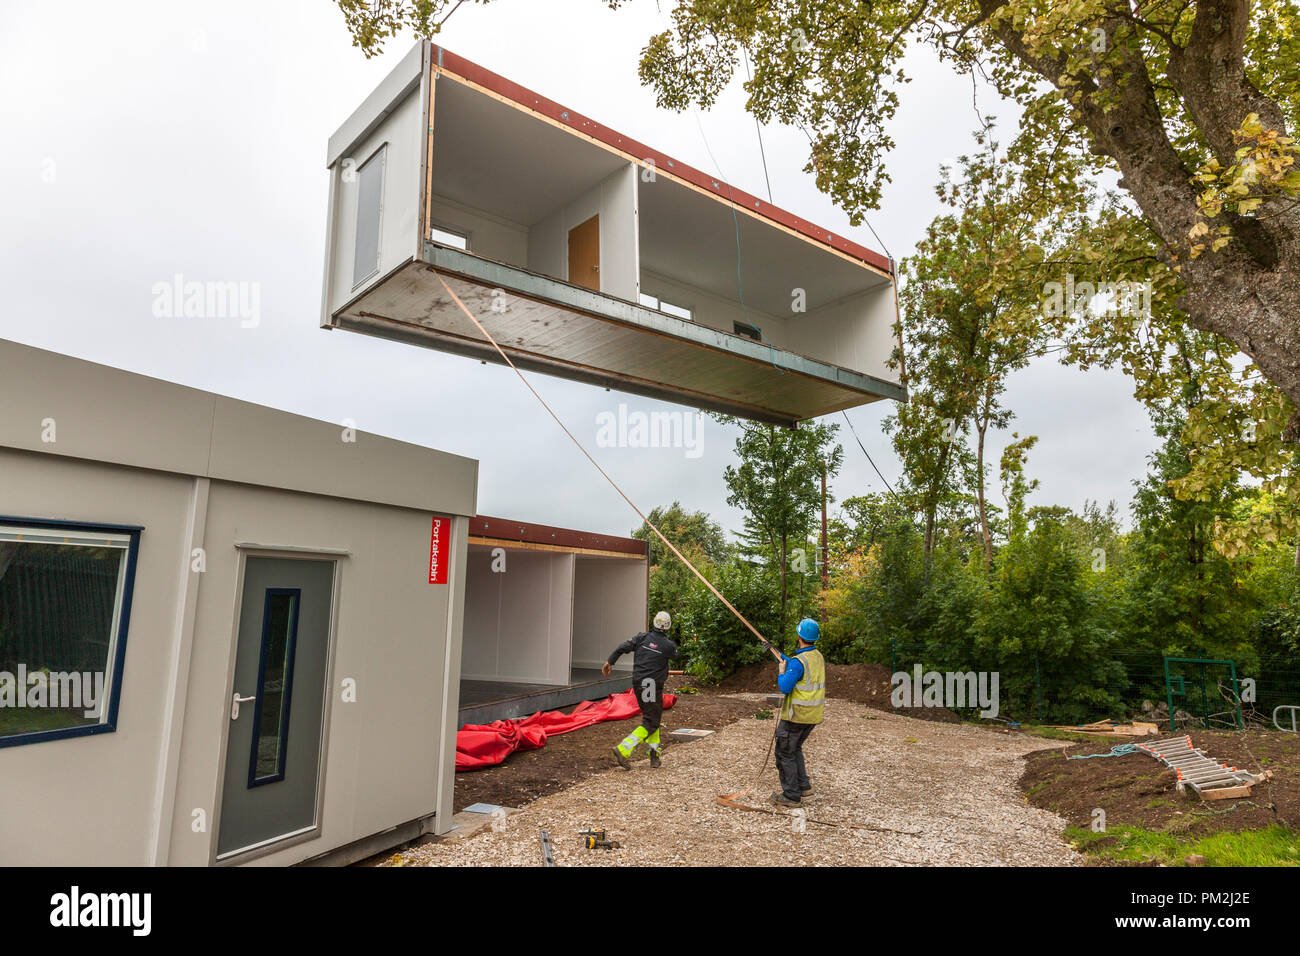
1189,597
971,316
1190,103
1015,486
713,640
1233,429
697,536
778,485
1040,621
866,519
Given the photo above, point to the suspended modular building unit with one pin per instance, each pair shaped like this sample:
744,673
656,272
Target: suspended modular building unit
590,256
544,606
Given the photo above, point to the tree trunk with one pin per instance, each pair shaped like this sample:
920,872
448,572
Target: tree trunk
1249,291
784,554
932,505
983,507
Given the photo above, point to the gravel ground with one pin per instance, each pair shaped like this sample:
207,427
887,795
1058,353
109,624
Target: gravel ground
952,786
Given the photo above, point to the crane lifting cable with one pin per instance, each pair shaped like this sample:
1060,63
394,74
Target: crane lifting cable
671,547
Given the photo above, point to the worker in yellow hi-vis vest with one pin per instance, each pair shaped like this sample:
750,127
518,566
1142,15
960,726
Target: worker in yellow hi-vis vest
802,679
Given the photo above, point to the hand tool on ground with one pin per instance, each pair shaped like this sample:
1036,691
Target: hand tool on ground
595,840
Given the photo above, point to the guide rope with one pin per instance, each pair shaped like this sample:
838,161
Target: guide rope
844,824
613,484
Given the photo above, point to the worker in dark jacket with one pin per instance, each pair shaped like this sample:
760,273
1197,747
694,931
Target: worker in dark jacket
803,681
651,651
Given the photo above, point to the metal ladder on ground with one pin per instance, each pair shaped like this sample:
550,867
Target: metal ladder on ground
1194,768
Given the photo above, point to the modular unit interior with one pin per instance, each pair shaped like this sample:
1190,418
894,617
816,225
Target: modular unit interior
588,255
246,625
544,606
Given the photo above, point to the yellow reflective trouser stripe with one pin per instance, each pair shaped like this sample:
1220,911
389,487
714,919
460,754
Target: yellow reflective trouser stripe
631,740
653,740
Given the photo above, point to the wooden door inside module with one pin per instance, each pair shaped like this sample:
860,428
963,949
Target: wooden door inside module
584,254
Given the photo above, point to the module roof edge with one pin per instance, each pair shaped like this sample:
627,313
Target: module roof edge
467,70
400,82
530,532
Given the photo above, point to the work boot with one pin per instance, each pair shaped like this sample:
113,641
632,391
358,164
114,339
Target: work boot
655,762
806,791
781,800
622,761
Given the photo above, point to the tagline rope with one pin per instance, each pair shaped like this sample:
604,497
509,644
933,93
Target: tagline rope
613,484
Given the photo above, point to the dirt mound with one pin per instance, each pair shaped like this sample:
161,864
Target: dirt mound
861,683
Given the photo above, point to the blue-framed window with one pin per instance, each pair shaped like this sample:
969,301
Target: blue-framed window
274,685
65,608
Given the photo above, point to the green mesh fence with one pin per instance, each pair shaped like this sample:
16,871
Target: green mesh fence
1177,692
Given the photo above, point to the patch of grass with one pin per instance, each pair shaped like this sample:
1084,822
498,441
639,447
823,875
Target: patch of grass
1042,785
763,714
687,690
1055,733
1275,846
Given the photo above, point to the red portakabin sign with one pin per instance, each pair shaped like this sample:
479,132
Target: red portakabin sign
438,545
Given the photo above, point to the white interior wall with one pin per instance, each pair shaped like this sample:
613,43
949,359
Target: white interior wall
856,333
609,606
518,622
480,648
713,310
689,247
614,199
489,235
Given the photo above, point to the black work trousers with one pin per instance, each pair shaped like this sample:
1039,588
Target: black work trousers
789,758
650,695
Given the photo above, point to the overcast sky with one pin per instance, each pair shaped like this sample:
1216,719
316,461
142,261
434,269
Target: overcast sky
148,140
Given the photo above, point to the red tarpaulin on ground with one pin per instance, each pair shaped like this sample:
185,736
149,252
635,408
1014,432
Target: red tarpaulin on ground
486,745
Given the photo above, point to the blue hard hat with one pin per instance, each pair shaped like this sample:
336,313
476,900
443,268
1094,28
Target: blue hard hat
808,630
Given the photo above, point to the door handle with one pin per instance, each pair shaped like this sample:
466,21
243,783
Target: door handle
235,701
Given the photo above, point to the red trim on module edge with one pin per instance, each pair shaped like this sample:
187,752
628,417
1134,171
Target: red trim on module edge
503,529
468,70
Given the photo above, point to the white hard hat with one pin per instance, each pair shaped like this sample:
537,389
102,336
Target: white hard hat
663,621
